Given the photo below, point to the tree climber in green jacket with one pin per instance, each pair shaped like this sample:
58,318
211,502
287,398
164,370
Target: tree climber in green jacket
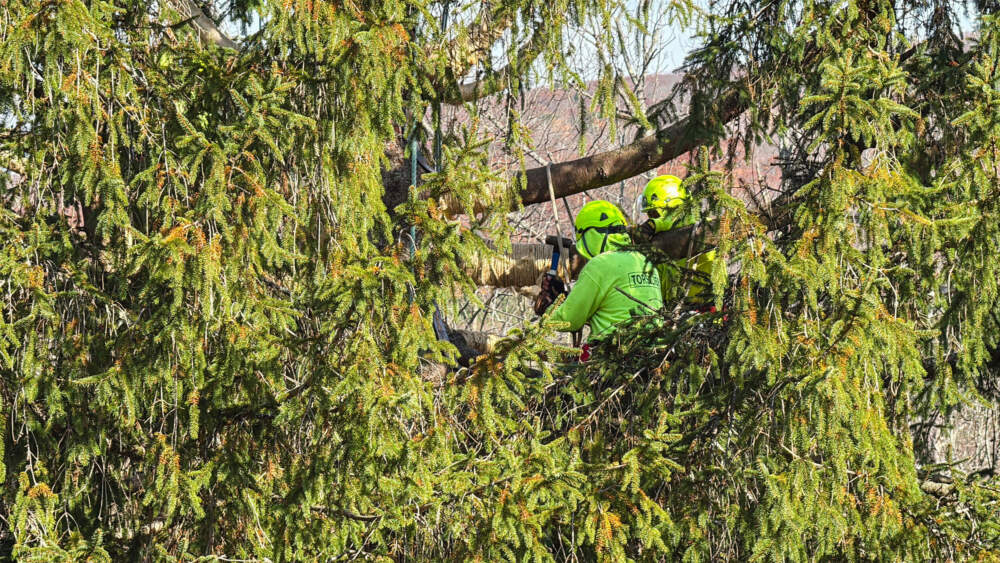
666,203
614,286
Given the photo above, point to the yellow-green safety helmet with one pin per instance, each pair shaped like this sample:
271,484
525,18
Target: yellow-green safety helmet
663,192
600,226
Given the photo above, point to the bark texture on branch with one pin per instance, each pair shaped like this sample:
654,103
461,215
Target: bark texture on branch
478,343
595,171
521,268
475,42
497,81
208,31
679,243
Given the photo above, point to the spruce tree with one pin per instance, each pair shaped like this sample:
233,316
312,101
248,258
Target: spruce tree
217,340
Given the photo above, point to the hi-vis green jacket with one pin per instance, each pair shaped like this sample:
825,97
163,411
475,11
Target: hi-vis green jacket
612,287
672,273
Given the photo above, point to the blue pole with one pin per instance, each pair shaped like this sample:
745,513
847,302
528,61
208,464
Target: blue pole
414,153
437,104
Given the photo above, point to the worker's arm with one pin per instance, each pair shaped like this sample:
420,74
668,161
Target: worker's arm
655,225
552,287
580,304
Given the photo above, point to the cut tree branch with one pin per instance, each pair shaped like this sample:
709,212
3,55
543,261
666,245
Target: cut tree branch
595,171
521,268
208,31
647,153
683,242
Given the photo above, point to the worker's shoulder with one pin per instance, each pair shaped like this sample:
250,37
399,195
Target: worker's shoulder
620,257
618,262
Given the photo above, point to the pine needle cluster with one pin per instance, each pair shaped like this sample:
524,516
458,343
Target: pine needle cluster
216,336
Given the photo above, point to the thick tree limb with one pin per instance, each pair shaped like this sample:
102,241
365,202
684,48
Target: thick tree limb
208,31
12,163
614,166
472,44
478,343
683,242
497,81
936,488
604,169
575,176
647,153
521,268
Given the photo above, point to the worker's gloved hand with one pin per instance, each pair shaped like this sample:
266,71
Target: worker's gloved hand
657,225
648,229
552,287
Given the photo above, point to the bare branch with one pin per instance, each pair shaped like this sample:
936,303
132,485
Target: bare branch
12,163
935,488
476,42
497,81
208,31
647,153
613,166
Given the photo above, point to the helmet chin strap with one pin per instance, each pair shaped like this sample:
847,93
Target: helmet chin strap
606,231
586,246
